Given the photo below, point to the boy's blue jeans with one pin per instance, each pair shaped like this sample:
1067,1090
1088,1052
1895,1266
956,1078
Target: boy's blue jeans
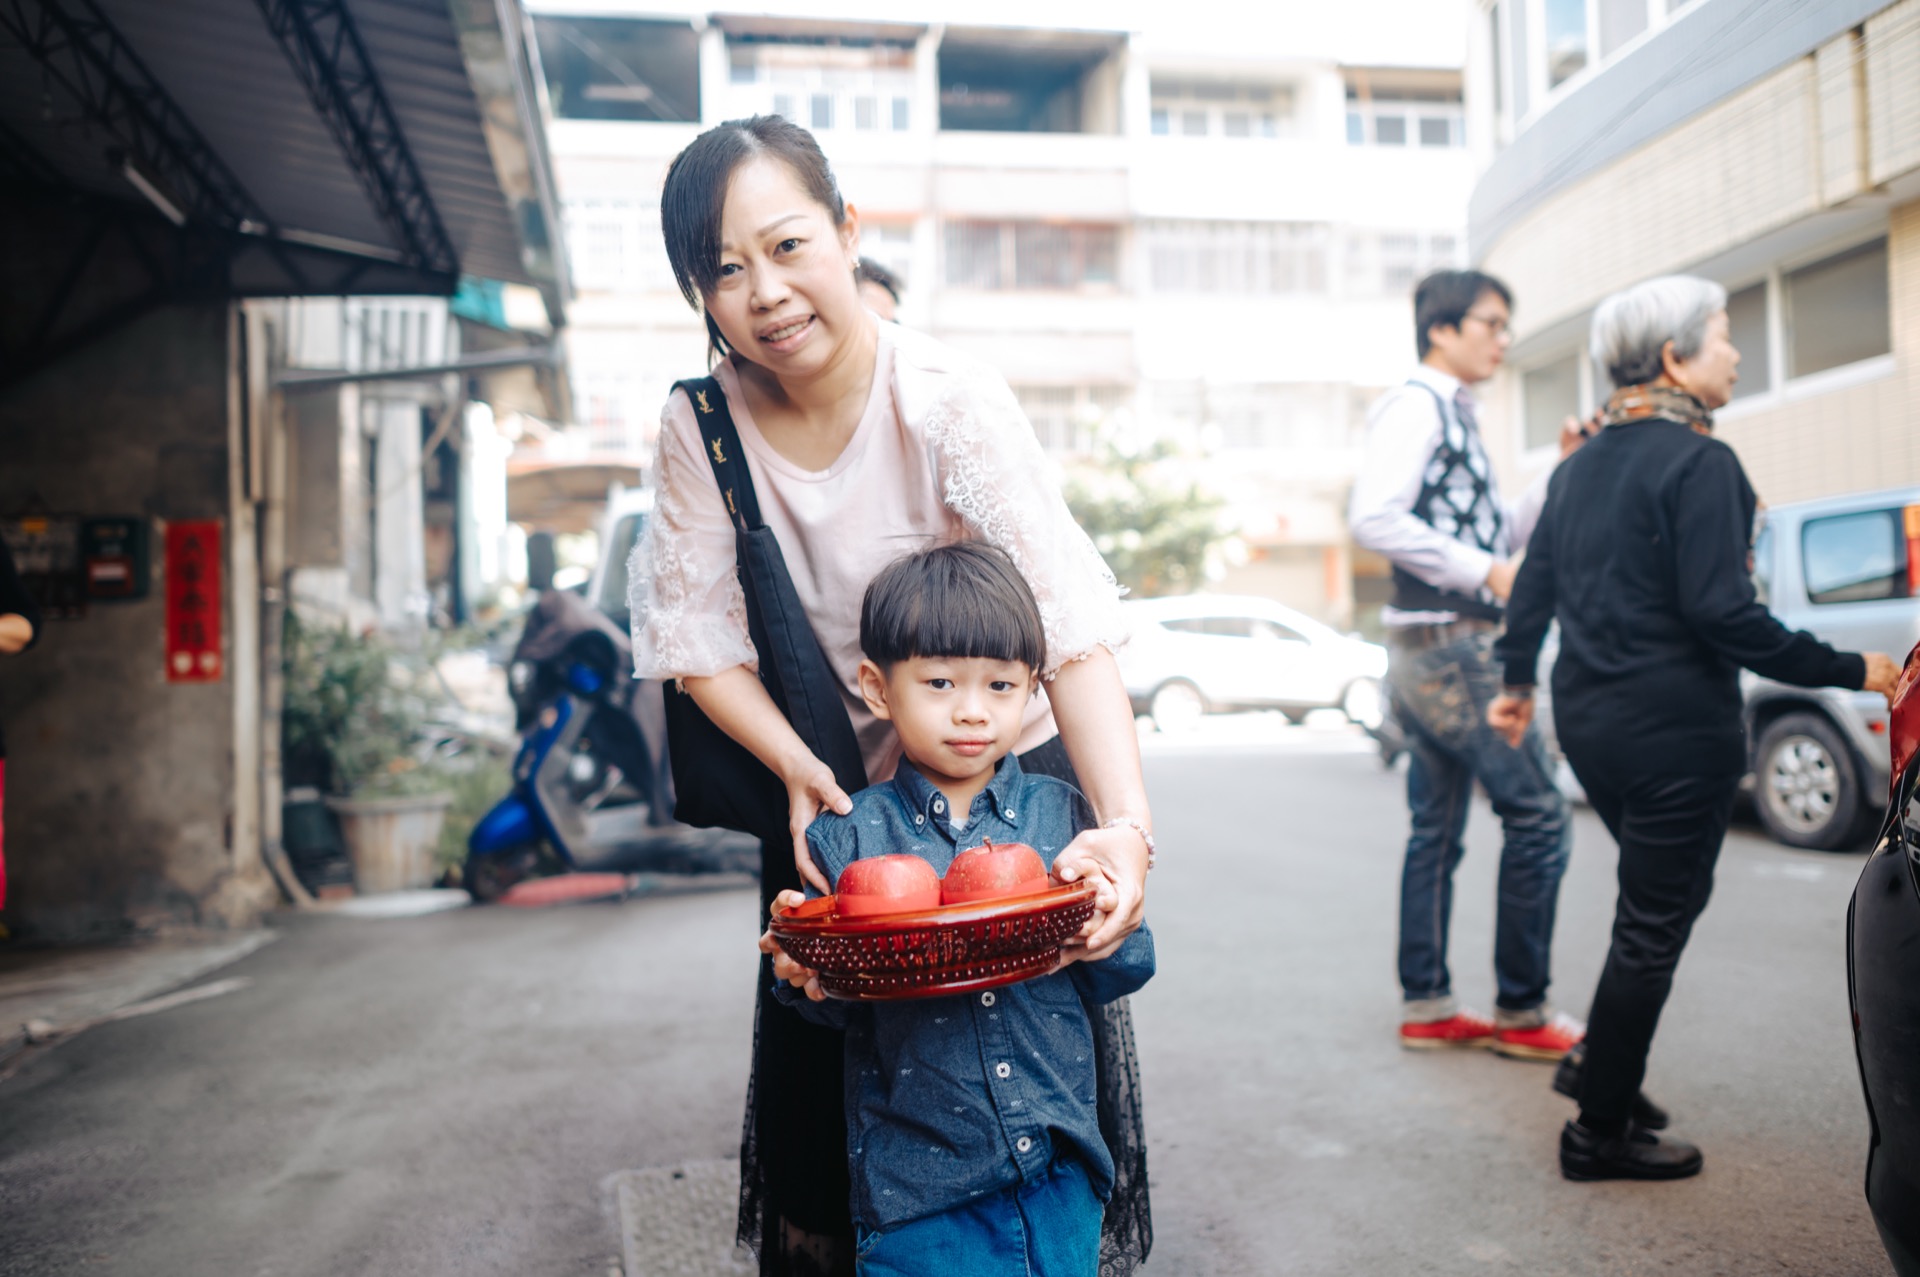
1046,1229
1441,693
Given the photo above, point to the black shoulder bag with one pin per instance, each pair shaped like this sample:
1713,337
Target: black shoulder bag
718,781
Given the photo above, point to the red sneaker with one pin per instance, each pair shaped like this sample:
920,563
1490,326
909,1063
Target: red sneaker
1463,1030
1549,1041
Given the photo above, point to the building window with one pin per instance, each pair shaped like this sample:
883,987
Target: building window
1016,85
1837,310
1251,258
1566,29
890,244
1037,256
837,86
1068,418
1382,116
1620,21
619,68
615,245
1220,108
1549,395
1747,328
1390,263
1855,558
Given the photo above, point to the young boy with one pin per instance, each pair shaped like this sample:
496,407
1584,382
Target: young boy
972,1139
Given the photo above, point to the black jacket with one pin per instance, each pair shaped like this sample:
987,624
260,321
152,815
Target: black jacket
1642,554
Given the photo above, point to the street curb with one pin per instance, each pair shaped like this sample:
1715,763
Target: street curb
678,1221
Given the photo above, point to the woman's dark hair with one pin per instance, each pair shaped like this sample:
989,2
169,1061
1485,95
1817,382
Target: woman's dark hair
872,272
1443,299
964,599
694,199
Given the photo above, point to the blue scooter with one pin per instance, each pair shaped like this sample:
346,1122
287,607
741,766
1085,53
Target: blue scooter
592,791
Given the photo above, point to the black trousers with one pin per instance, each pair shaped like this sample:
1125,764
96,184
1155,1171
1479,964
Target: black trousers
1669,829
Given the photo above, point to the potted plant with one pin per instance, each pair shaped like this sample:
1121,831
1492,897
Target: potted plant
355,718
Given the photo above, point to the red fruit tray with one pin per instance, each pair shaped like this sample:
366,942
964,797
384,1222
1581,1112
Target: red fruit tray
936,952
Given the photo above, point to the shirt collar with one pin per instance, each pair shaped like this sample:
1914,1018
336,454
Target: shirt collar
918,794
1445,382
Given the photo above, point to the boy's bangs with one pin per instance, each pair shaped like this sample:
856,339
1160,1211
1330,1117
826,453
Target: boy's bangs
953,605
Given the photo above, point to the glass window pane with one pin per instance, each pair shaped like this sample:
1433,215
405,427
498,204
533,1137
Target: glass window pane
866,112
1390,130
1236,124
1566,39
1499,85
1436,131
1162,121
1855,557
1747,326
1837,310
1620,21
1193,123
1356,128
902,114
822,111
1550,395
1517,46
783,105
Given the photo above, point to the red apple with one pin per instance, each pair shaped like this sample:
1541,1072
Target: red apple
994,871
887,884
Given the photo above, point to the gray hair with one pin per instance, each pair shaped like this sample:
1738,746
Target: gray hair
1632,327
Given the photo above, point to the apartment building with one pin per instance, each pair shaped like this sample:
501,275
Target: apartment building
1207,235
1772,146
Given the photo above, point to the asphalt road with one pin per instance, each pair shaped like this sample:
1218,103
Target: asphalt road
452,1094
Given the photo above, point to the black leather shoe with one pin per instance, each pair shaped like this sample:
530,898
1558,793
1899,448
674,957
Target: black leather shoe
1632,1154
1566,1080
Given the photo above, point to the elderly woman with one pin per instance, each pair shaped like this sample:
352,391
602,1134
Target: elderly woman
1642,554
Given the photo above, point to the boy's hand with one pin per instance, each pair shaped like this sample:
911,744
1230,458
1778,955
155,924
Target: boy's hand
784,967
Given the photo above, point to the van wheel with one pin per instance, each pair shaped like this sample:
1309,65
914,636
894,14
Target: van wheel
1806,785
1177,706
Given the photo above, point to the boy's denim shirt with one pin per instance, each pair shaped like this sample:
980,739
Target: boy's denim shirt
950,1099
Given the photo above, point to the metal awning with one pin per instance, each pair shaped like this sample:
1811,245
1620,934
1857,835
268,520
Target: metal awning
154,151
566,496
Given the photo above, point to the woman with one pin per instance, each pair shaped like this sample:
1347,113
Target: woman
864,441
1642,554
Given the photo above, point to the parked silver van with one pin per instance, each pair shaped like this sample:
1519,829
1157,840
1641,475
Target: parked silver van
1846,569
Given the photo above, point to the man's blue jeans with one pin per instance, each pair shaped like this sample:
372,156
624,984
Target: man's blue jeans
1049,1228
1441,694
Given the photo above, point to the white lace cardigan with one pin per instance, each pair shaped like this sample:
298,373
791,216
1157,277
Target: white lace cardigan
942,452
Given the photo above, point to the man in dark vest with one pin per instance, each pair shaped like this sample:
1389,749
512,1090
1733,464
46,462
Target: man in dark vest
1427,501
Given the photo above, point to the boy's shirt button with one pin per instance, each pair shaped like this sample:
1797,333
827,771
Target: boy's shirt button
988,999
1003,1070
939,806
1022,1144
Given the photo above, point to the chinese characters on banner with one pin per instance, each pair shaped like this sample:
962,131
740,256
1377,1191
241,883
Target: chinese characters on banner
193,602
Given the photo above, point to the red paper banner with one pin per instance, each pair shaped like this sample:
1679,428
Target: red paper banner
194,653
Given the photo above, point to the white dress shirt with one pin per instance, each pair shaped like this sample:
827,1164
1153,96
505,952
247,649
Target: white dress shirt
1403,431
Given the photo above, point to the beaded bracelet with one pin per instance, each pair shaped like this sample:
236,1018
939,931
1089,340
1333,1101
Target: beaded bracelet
1128,822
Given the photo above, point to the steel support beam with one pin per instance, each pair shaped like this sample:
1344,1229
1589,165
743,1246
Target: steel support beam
84,54
324,45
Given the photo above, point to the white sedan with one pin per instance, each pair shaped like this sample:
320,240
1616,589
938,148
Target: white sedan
1202,653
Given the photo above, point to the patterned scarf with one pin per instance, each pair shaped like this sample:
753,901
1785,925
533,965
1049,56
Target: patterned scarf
1669,403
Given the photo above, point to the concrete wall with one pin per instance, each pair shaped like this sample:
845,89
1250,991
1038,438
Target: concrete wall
121,795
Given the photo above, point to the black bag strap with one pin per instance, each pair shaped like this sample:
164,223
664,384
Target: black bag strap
724,453
795,670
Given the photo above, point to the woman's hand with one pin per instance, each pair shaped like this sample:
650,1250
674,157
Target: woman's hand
811,789
1115,861
784,967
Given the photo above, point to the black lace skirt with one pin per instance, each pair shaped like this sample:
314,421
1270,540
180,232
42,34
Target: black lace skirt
794,1191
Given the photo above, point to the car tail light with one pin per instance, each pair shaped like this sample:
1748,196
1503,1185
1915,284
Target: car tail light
1912,514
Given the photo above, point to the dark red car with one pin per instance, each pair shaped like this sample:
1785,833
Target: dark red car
1883,983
